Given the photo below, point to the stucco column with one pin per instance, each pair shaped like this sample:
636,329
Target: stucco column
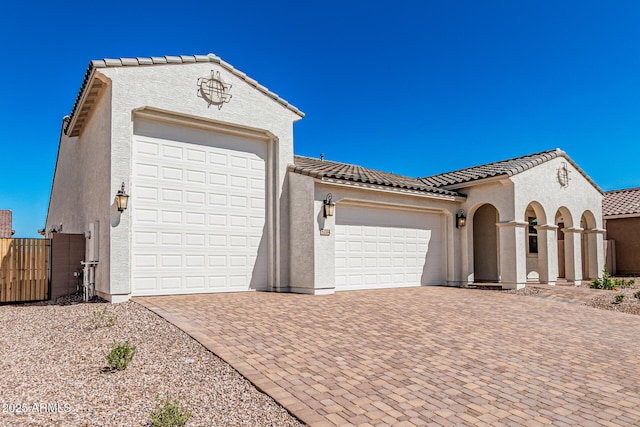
513,261
595,251
573,254
547,253
324,274
466,251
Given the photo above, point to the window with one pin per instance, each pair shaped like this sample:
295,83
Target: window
533,235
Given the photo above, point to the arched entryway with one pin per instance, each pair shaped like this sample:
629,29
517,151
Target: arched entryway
589,245
536,242
485,244
569,247
561,222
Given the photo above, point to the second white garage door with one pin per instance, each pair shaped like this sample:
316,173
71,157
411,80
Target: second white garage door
198,220
385,248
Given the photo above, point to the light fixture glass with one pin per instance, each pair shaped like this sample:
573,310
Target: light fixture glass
461,219
122,199
329,206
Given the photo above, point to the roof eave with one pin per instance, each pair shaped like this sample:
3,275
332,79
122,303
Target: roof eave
390,189
622,216
473,183
70,124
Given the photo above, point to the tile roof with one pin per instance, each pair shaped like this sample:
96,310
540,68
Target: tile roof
5,224
318,168
164,60
621,202
507,168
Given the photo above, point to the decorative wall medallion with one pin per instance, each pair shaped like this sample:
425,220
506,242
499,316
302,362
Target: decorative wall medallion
563,175
214,90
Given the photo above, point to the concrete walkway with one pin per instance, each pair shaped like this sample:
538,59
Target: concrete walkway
424,356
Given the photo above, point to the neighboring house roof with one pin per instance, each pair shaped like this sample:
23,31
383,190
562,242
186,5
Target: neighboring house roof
318,168
6,223
507,168
164,60
621,202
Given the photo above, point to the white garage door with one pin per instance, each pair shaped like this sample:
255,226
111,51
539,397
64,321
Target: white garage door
198,206
385,248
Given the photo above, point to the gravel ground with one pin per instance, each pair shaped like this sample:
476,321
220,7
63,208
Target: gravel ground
629,304
52,371
605,300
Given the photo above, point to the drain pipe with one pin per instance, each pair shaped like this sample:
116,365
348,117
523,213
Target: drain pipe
89,279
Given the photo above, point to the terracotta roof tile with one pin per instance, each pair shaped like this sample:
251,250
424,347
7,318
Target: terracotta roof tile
341,171
621,202
507,168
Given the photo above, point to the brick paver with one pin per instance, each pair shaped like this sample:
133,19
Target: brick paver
424,356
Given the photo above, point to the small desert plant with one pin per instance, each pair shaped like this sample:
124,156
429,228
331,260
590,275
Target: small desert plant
608,283
637,295
100,319
619,298
621,283
120,355
170,413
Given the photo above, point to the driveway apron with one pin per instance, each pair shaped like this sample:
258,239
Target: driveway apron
423,356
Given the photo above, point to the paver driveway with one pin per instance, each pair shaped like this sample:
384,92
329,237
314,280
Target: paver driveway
422,356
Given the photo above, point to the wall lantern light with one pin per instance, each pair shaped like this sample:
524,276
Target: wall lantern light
461,219
122,199
329,205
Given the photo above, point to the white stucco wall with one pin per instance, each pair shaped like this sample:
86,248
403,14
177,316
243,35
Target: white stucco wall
497,192
580,196
541,184
174,88
81,193
313,254
302,229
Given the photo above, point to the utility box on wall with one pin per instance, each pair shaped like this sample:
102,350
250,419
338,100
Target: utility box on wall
67,251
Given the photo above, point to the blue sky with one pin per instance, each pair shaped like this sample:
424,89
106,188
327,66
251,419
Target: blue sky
411,87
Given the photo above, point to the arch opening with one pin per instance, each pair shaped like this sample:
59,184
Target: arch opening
588,244
562,220
485,244
534,216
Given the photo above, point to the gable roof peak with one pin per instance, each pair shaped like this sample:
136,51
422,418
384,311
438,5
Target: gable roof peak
168,60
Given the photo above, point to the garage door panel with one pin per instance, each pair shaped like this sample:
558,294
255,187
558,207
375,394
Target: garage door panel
198,211
171,174
381,248
198,156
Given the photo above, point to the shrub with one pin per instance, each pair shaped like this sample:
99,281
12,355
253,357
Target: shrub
637,295
621,283
619,298
608,283
170,413
100,319
120,356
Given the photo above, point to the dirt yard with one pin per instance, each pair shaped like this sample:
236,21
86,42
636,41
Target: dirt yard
52,360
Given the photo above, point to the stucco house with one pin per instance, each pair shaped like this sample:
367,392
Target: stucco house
621,210
220,203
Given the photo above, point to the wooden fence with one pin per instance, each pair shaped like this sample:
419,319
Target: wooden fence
24,269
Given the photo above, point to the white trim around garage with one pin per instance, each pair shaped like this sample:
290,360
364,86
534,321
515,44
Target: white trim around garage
268,247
